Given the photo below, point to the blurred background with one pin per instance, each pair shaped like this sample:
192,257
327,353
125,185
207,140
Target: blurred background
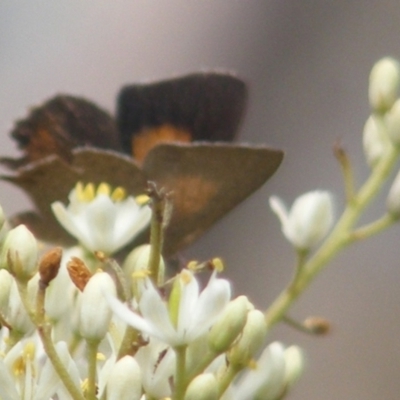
307,65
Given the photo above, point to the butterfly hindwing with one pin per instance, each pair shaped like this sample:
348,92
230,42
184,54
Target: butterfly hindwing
206,182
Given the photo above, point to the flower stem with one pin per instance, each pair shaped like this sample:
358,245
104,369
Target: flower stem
337,240
44,331
180,378
92,346
227,378
156,234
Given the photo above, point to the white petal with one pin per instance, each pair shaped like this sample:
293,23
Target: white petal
279,208
7,384
212,301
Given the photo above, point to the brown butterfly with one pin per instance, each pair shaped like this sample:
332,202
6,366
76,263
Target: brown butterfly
167,128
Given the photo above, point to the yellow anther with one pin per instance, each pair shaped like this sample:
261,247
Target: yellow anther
142,199
192,265
218,264
89,192
186,277
18,366
100,357
103,188
118,194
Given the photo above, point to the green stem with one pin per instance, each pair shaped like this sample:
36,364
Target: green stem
202,364
338,239
227,378
373,228
92,346
156,237
180,377
44,331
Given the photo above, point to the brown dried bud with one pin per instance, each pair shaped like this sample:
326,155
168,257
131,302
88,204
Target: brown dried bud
78,272
49,265
317,325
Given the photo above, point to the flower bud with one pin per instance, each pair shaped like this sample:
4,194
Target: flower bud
294,364
229,325
273,368
19,253
384,82
203,387
252,339
125,380
49,265
393,199
392,121
309,219
95,314
375,139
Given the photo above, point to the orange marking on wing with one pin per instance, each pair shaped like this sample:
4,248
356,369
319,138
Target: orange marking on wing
144,141
192,194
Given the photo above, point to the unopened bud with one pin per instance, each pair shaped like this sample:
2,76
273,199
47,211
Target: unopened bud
252,339
20,253
317,325
78,272
95,314
375,139
229,325
125,380
294,364
272,365
392,121
384,84
203,387
49,265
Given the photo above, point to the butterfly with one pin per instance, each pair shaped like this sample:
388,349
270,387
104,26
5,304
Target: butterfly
175,132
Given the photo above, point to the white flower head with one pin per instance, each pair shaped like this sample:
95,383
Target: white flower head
309,219
192,316
102,220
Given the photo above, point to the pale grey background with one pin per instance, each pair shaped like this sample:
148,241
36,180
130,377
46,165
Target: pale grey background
307,63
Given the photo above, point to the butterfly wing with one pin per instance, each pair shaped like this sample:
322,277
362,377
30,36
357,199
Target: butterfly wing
60,125
206,181
203,106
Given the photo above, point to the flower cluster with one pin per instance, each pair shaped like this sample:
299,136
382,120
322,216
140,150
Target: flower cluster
76,326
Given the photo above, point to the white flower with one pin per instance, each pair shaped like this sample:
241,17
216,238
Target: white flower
196,311
102,220
309,219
